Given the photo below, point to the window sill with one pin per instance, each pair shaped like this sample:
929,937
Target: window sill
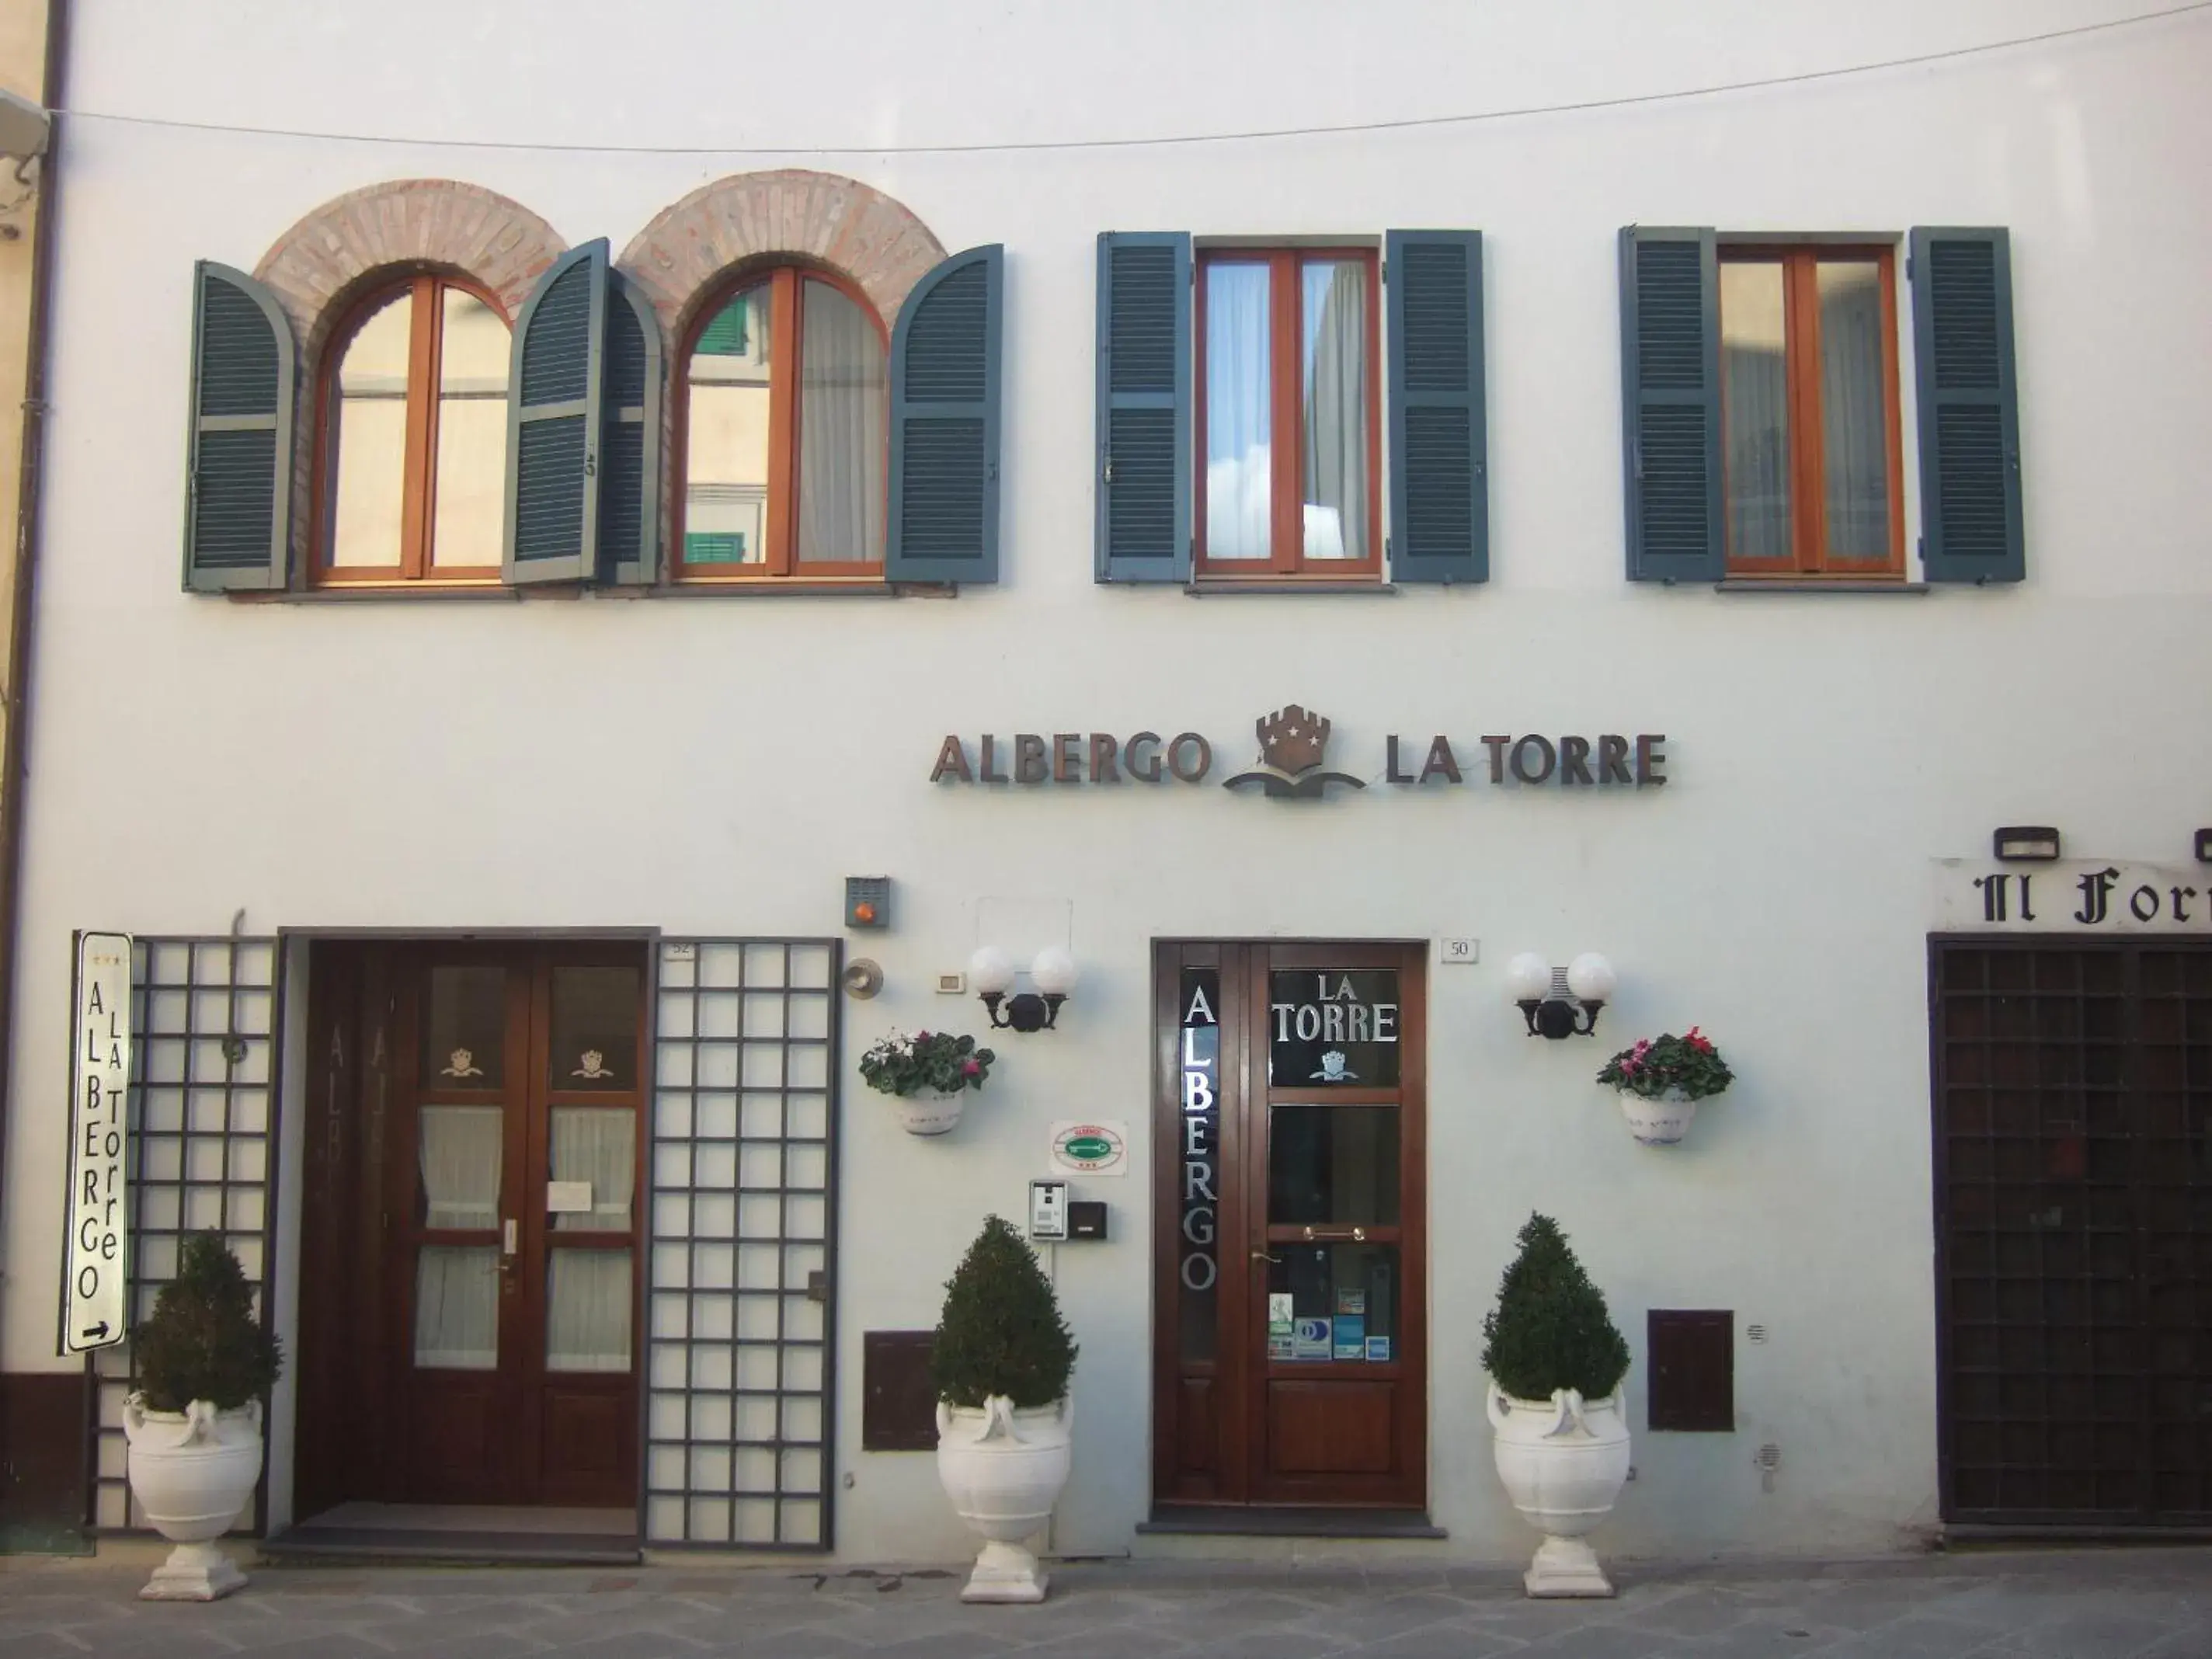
1816,585
1207,589
423,592
369,594
789,589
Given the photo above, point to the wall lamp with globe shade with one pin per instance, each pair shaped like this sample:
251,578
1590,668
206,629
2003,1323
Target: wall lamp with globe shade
991,973
1559,1002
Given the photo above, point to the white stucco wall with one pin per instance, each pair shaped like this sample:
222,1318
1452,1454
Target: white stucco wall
718,766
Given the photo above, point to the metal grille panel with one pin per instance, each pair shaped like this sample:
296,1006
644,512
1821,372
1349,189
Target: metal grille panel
739,1374
2074,1162
202,1118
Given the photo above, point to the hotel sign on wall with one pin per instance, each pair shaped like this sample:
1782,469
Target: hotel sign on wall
94,1257
2071,896
1292,761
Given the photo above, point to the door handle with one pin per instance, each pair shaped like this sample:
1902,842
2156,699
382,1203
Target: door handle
1261,1256
506,1244
1326,1235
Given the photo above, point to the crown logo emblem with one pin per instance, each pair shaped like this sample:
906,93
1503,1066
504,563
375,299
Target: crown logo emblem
1293,743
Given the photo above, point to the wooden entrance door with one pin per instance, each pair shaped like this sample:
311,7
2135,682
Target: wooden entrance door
1291,1336
512,1248
2073,1119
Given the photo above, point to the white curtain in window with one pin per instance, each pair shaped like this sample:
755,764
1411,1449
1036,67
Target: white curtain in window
1755,409
457,1308
1333,349
459,1156
844,405
599,1145
1238,500
1853,412
588,1311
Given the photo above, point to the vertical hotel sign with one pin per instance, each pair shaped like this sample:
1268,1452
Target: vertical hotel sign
1200,1056
93,1312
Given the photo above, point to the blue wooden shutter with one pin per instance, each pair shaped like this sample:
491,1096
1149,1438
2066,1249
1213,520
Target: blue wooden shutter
1970,505
629,442
1145,453
238,464
553,422
1439,499
1670,354
944,424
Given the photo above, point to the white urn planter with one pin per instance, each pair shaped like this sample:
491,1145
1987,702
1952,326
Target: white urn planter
192,1472
1661,1121
1003,1467
931,1113
1564,1461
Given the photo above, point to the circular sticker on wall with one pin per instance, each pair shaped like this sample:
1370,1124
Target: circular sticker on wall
1091,1148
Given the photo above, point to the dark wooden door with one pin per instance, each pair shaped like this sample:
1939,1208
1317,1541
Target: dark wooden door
2073,1119
1290,1341
513,1254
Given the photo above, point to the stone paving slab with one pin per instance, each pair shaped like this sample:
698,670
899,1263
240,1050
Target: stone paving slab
2131,1603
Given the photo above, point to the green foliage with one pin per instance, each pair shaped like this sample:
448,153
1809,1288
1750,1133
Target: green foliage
1550,1329
1000,1332
936,1061
204,1342
1654,1065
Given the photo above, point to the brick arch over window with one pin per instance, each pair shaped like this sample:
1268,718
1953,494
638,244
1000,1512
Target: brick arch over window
844,224
317,266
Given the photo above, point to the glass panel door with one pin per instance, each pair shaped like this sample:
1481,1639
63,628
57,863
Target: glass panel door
516,1326
1291,1360
455,1168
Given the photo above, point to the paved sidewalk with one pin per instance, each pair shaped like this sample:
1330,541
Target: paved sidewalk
2111,1604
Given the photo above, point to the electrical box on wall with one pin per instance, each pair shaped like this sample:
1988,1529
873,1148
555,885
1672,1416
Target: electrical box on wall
1047,1210
1086,1219
868,901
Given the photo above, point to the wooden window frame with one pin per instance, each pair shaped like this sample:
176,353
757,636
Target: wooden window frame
1287,557
418,507
1808,519
781,563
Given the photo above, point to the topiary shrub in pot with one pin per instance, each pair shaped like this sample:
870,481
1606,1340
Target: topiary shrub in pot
194,1423
1000,1365
1556,1364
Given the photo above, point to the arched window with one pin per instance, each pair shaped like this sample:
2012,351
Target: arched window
412,453
786,433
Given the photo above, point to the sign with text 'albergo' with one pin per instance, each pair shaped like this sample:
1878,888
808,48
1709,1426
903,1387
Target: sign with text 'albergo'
95,1254
1292,760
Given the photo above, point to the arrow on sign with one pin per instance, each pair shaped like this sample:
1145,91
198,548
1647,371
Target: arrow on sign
100,1329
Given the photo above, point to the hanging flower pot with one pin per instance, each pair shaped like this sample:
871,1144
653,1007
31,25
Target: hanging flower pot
1660,1080
932,1113
929,1075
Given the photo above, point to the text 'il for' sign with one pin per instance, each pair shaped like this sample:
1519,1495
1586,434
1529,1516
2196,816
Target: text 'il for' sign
92,1311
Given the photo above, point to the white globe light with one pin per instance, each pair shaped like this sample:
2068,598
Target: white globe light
1590,977
990,971
1527,978
1054,970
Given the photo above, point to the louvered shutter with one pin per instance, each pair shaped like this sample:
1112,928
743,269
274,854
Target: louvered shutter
629,442
1439,505
1670,403
1144,454
238,468
944,424
553,422
1970,502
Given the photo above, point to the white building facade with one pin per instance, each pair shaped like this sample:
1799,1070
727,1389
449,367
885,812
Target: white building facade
482,802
